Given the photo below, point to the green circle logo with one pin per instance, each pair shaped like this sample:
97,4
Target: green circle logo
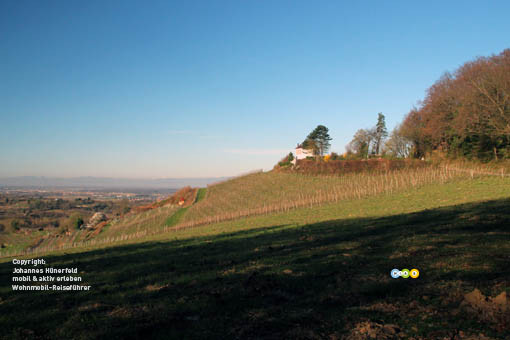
405,273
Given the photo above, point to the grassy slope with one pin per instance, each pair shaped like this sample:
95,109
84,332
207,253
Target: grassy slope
313,272
176,217
253,194
261,192
200,194
150,222
21,241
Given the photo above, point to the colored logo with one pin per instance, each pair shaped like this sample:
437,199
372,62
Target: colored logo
405,273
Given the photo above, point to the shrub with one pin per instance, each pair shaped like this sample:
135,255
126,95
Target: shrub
287,160
75,221
314,167
334,156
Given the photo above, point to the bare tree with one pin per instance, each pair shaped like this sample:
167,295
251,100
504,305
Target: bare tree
397,145
361,142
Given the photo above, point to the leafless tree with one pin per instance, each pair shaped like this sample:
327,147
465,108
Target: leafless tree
398,145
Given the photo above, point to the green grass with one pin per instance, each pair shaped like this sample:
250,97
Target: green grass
151,219
176,217
17,241
200,194
308,273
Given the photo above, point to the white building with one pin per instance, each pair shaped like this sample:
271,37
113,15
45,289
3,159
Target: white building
300,153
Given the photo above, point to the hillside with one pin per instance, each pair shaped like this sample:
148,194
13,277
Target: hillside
259,193
252,194
267,192
313,272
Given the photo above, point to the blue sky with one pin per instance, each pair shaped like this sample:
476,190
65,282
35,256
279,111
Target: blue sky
155,89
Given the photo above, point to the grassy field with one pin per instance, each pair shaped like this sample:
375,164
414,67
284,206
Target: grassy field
320,272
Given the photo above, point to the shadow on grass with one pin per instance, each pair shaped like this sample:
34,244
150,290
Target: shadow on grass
315,281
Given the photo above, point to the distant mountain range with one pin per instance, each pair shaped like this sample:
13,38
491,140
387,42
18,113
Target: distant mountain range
104,182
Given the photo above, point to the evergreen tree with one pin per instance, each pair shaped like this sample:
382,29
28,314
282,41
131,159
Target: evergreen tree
380,133
318,140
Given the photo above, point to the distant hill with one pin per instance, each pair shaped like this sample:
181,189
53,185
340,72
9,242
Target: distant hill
105,182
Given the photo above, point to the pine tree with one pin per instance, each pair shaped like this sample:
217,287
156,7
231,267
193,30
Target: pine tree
380,133
318,140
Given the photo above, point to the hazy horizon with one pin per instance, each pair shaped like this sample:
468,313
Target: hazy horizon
213,89
106,182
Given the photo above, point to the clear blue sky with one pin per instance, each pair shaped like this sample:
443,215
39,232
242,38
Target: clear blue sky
212,88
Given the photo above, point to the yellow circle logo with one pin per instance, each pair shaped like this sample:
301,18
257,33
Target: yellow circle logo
414,273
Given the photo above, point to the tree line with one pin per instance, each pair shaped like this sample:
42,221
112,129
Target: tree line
464,114
366,143
373,141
